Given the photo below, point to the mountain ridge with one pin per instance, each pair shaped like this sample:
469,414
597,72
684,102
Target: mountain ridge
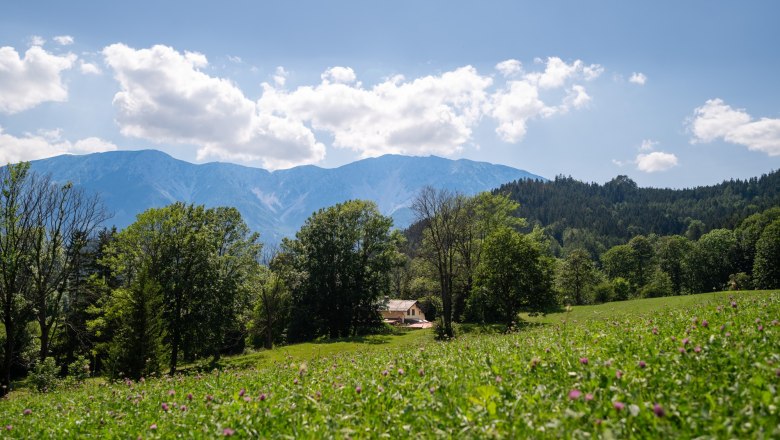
274,203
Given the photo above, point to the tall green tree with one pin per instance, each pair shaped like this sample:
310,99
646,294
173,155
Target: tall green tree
766,269
711,261
199,259
643,258
620,262
514,275
441,213
342,256
671,252
577,275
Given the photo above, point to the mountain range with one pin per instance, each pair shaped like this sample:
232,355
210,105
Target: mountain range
274,203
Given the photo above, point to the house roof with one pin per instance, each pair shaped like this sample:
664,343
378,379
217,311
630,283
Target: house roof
399,305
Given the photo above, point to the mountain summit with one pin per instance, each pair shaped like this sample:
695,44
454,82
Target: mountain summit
274,203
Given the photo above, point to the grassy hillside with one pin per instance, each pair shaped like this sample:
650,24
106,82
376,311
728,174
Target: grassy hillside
706,366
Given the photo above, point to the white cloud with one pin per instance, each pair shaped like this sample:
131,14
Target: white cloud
509,67
648,145
46,144
32,80
235,59
717,120
428,115
164,97
655,161
592,72
280,76
37,40
90,68
638,78
339,75
64,40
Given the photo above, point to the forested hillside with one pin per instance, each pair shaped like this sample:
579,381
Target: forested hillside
589,213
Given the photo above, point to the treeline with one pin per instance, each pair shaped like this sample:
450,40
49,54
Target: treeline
186,284
597,217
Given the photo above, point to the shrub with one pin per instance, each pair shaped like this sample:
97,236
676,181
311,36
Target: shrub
44,375
603,292
621,288
78,370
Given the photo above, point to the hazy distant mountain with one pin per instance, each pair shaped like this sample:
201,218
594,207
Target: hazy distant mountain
274,203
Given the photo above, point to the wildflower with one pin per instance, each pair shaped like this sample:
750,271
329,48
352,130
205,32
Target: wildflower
27,411
758,320
183,408
385,372
421,371
153,426
673,338
358,389
619,374
499,379
165,406
705,323
727,334
734,304
263,396
618,405
589,397
247,399
209,397
584,361
575,394
642,364
171,392
760,327
777,372
381,388
227,432
658,410
295,382
242,392
189,396
775,322
433,389
681,349
655,330
685,341
401,371
697,349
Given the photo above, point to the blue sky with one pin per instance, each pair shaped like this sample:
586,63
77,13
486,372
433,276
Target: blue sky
670,93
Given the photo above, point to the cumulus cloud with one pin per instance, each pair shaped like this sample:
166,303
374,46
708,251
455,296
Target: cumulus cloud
64,40
37,40
648,145
165,97
509,67
280,76
638,78
29,81
90,68
718,120
46,143
655,161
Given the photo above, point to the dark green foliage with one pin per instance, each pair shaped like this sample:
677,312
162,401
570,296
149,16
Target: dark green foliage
340,264
671,252
622,289
766,269
514,275
576,276
44,375
711,261
618,210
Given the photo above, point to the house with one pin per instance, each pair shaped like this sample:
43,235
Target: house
402,310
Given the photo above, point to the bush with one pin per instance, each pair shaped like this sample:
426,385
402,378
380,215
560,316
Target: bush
660,285
603,292
621,288
78,370
44,375
440,333
740,281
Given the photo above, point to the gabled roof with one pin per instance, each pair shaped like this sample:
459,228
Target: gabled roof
399,305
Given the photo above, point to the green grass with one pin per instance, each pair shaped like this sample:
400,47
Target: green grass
643,370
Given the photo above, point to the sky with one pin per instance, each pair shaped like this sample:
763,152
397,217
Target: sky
672,94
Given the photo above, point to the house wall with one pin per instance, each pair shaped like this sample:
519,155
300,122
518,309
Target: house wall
386,314
418,313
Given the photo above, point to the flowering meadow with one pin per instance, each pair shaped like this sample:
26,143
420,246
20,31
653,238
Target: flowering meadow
709,369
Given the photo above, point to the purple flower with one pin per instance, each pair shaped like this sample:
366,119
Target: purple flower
727,334
685,341
242,392
655,330
227,432
27,411
658,410
358,389
401,371
584,361
384,372
704,323
618,405
263,396
433,389
295,381
734,304
171,392
681,349
575,394
619,374
189,396
153,426
775,322
165,406
642,364
421,371
760,327
9,427
697,349
184,408
589,397
209,397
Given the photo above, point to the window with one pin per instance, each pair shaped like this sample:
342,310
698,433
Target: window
412,312
408,313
